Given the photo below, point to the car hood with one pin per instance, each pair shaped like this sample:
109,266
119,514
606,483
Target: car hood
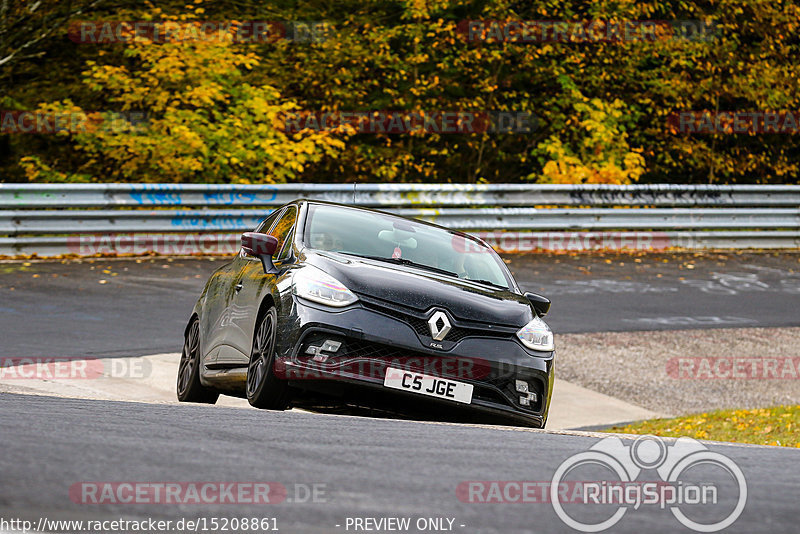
421,290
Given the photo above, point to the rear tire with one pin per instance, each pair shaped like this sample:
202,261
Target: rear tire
188,386
264,389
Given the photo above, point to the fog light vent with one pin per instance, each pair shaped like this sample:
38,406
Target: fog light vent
329,345
527,396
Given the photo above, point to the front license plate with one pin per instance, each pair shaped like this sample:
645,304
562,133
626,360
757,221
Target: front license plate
433,386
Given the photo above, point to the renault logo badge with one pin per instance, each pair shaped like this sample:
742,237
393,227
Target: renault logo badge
439,325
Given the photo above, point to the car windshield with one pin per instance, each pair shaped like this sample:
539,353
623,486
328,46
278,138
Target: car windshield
392,239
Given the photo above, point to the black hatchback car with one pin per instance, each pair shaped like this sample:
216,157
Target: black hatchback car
372,309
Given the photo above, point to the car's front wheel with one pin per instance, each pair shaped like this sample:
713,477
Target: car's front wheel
189,387
264,389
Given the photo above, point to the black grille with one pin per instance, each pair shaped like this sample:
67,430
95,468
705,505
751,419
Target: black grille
358,348
455,334
420,326
489,385
364,349
489,395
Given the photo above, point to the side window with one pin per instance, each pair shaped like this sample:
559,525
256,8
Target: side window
287,247
264,225
282,231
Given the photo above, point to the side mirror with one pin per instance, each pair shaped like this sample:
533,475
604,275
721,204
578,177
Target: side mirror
261,246
540,304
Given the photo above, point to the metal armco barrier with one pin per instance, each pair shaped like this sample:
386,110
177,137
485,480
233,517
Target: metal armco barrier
88,219
24,196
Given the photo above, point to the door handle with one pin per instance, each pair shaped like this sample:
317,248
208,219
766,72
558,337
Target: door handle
238,287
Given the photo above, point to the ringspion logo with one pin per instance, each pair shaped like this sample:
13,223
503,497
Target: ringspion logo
593,490
691,480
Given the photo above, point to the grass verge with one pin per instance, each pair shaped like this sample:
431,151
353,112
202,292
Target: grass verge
779,425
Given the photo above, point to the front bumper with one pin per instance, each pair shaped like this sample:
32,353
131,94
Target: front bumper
374,338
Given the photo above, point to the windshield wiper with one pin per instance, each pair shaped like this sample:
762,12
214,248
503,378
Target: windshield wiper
404,261
487,282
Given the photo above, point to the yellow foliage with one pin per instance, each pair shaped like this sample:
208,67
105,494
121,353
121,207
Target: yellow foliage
203,122
601,154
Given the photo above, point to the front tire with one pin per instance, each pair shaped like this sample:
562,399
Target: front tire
264,389
189,388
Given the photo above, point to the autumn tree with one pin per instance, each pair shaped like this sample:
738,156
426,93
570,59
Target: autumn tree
197,118
602,107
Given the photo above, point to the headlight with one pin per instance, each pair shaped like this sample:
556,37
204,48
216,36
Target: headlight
537,335
313,284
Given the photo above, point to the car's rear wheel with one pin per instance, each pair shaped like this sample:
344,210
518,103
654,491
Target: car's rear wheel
189,387
264,389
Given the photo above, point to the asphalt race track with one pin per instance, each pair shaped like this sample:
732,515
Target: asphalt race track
108,308
360,467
